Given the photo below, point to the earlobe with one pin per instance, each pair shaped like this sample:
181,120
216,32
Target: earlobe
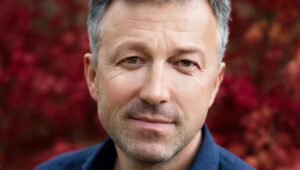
218,82
90,75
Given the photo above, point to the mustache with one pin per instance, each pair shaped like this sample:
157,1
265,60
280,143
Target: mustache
166,110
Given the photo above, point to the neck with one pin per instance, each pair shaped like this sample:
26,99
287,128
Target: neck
180,161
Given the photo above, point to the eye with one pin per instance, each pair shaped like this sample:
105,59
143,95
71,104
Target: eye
185,63
186,66
132,62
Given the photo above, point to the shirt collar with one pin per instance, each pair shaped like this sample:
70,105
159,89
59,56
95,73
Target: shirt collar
206,158
104,157
208,154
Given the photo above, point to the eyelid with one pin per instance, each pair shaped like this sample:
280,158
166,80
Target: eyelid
189,70
124,57
194,61
125,62
131,57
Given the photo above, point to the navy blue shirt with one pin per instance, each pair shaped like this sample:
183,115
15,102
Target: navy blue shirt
210,156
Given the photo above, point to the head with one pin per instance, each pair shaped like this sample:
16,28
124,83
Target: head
154,71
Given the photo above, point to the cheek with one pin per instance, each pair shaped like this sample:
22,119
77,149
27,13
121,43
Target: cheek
194,96
116,90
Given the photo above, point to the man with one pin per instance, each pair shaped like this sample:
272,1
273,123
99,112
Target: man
154,71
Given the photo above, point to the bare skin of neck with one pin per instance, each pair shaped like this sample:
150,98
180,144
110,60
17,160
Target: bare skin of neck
180,161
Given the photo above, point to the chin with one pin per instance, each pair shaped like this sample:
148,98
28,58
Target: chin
149,152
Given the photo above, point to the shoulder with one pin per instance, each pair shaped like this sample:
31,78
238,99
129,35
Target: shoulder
229,161
70,160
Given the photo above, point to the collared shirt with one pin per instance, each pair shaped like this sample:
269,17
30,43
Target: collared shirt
210,156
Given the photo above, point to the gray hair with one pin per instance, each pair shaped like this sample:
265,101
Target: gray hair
221,8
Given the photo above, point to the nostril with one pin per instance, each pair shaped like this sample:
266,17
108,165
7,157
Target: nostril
154,95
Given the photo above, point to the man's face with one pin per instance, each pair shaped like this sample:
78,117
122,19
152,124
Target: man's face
156,77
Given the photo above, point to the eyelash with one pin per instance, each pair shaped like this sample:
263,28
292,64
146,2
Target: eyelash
185,63
131,62
129,59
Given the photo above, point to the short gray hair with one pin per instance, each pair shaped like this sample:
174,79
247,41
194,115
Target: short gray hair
221,8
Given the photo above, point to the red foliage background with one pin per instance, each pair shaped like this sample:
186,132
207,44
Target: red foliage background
45,108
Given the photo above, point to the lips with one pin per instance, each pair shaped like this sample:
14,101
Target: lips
151,119
144,124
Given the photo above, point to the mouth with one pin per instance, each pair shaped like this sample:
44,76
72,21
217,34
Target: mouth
152,119
152,123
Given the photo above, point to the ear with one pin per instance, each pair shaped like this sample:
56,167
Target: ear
90,75
218,82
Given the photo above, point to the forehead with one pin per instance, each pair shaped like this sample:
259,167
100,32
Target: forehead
160,12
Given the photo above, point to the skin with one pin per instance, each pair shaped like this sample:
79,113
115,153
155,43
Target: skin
156,78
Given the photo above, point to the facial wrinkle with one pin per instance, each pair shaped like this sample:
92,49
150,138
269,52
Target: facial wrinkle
109,71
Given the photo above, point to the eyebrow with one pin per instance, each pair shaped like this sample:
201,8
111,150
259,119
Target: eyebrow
131,45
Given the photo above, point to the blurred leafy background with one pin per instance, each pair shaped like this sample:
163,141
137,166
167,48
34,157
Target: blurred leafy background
45,108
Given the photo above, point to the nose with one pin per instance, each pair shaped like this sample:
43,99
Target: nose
155,89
